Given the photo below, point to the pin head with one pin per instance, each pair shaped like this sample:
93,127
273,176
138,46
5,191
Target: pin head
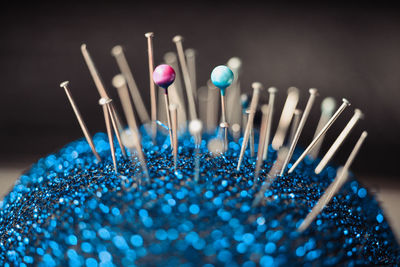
257,87
104,101
164,75
244,101
359,113
215,146
222,77
195,126
236,128
177,39
118,81
272,90
190,52
116,50
345,101
313,91
149,34
64,84
328,106
234,63
128,138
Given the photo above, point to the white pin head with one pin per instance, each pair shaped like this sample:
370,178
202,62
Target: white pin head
149,34
216,146
234,63
328,106
177,39
104,101
257,87
116,50
195,127
292,90
118,81
359,113
224,125
236,131
190,52
272,90
64,84
236,128
170,57
128,139
313,91
347,102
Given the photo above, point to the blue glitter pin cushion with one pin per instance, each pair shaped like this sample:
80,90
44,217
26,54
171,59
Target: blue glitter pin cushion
68,209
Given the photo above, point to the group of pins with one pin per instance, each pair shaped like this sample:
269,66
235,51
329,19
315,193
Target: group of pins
224,78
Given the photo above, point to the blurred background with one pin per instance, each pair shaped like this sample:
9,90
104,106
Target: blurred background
347,50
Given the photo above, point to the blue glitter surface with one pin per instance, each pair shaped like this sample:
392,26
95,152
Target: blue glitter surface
70,210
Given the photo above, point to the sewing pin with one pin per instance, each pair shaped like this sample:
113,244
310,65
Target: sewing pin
164,76
344,105
253,107
82,123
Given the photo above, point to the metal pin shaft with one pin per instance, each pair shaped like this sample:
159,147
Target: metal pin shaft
189,90
334,187
224,123
287,114
344,105
104,102
295,124
174,115
190,55
82,123
119,55
120,83
310,102
167,106
153,101
328,106
261,140
338,142
272,175
271,102
100,86
114,124
253,106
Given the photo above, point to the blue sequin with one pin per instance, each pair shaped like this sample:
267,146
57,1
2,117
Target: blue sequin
379,218
266,261
105,256
91,262
194,209
362,192
137,240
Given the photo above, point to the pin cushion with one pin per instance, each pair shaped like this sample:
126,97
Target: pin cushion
68,209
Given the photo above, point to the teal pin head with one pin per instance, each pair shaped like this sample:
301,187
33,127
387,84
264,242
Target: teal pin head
222,77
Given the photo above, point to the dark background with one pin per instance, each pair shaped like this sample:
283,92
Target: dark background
347,50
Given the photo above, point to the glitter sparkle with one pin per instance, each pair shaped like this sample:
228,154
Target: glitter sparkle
70,210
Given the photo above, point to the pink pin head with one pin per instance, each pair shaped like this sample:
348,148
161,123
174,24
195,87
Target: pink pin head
163,75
